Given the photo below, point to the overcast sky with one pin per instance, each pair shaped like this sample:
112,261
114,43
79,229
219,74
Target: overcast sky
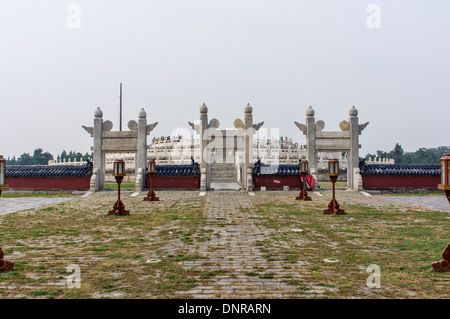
173,55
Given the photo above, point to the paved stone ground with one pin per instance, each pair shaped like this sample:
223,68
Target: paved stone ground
234,252
11,205
429,202
234,249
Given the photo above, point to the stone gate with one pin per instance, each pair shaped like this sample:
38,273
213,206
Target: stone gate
226,156
345,141
107,141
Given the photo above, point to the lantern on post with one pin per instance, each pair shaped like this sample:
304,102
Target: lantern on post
303,171
333,173
119,173
444,264
151,170
5,265
2,175
445,172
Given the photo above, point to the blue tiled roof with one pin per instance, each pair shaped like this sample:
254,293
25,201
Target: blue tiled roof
49,170
399,169
177,170
276,170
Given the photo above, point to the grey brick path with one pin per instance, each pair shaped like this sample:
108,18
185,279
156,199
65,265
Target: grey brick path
11,205
234,249
429,202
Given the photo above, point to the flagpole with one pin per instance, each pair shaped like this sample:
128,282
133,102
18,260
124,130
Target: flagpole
121,107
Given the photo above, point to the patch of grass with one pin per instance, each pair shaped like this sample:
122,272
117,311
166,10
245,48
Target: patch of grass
292,282
269,275
134,224
45,292
414,194
251,274
110,185
188,257
210,274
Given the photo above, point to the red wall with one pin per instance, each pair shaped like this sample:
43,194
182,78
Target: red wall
172,182
73,183
386,182
273,182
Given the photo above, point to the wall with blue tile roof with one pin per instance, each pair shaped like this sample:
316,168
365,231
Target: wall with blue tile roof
400,170
49,170
274,170
178,170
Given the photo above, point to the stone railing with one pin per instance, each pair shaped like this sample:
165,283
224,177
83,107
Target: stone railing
67,162
179,152
379,160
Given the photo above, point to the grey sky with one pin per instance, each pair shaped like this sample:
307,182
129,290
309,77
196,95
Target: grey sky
173,55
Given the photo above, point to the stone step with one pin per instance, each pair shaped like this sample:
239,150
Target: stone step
225,186
223,173
223,181
223,169
224,177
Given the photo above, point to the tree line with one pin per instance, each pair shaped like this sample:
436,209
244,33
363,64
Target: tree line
40,157
421,156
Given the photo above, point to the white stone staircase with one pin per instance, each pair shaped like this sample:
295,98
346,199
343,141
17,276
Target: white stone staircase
224,177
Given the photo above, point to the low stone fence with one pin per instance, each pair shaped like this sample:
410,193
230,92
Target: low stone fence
277,177
400,177
48,177
175,177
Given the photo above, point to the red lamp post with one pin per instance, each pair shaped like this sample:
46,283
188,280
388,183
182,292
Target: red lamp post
5,265
303,171
151,170
445,172
333,173
444,264
119,173
2,175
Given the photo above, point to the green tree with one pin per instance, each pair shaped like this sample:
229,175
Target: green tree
25,159
397,153
421,156
63,156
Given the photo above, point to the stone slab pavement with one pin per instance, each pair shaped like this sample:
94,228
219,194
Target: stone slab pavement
429,202
234,249
11,205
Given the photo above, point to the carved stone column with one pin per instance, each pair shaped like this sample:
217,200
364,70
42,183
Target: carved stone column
204,180
353,156
248,146
99,163
311,153
141,158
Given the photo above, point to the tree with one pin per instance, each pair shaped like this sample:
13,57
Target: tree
397,153
421,156
42,158
63,156
25,159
